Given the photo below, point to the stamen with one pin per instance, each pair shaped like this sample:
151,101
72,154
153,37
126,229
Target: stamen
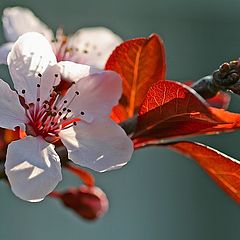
55,78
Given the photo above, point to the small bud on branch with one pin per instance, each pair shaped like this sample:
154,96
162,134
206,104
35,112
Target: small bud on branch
224,79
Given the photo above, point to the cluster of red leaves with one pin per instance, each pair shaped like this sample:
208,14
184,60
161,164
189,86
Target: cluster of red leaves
169,109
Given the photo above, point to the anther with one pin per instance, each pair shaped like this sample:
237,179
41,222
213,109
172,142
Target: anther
64,118
38,85
82,113
23,91
40,75
64,109
54,108
60,113
38,99
56,75
68,110
77,93
54,114
65,101
74,123
52,123
85,51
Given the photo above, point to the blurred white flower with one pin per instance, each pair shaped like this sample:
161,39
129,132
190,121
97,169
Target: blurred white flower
90,46
80,117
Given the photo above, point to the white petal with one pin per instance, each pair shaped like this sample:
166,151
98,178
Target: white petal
73,72
101,145
4,51
12,114
31,54
17,20
92,46
98,93
33,168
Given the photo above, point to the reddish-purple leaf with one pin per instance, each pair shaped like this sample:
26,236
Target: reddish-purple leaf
172,109
224,170
140,63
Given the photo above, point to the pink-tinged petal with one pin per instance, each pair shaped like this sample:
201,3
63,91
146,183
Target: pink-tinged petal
4,51
95,95
73,72
101,145
30,56
33,168
92,46
12,114
17,21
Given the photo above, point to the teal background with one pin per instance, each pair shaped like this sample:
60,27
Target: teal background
159,194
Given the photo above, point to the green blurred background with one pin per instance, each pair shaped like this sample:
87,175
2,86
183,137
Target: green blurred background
159,194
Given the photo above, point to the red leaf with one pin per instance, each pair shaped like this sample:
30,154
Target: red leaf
172,109
223,169
221,100
140,62
119,113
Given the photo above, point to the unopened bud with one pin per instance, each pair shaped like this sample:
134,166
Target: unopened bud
224,68
90,203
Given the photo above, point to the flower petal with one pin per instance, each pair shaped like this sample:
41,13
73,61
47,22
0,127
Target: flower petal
97,94
31,54
33,168
18,20
92,46
73,72
4,51
101,145
12,114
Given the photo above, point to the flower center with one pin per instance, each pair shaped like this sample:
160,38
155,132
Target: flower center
47,119
64,50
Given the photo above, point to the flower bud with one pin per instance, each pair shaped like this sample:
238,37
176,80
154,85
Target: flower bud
90,203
